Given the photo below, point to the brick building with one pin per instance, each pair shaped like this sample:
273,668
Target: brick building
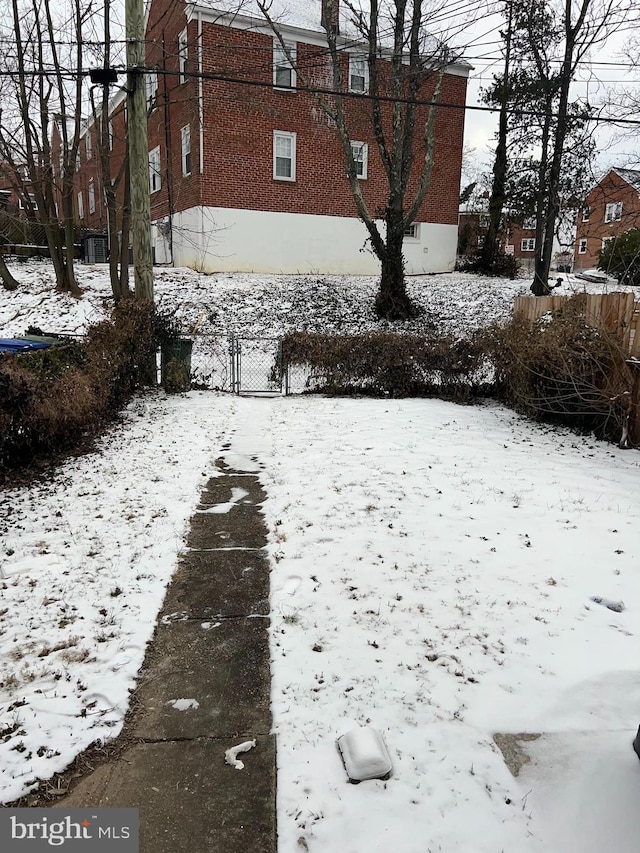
612,207
517,237
20,231
246,172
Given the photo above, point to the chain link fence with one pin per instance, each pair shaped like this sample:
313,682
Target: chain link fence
243,365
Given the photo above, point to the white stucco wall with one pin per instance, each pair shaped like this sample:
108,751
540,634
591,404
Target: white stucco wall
227,240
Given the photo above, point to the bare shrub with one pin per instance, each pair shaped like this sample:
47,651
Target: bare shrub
560,368
54,399
388,364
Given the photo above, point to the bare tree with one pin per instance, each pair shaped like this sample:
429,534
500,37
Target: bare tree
405,68
46,86
549,40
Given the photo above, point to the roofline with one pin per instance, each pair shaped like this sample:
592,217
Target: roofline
614,169
237,20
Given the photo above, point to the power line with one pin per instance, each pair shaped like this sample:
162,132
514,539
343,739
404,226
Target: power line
317,90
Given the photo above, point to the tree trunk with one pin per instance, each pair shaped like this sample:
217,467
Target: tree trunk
490,247
540,286
392,301
8,281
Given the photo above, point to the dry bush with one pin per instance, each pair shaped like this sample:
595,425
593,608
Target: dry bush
54,399
388,364
562,369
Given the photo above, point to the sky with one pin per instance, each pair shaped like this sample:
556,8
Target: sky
609,70
433,569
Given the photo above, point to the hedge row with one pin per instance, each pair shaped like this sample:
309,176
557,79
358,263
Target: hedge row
389,364
559,369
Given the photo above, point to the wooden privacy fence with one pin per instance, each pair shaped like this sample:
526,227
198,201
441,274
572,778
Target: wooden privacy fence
617,312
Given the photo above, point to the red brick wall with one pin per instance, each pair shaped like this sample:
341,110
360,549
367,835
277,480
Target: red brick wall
612,188
239,143
239,122
176,105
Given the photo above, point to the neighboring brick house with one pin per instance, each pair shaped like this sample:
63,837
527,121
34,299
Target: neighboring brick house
89,202
18,211
516,238
612,207
246,174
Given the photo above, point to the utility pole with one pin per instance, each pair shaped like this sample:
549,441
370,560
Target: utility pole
138,150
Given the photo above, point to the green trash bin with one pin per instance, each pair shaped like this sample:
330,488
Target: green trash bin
175,365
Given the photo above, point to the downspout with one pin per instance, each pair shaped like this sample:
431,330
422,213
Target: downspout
168,146
201,128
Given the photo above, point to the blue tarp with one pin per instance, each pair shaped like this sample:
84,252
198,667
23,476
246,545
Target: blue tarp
15,345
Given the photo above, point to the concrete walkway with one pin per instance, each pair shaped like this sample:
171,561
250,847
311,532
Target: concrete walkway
211,645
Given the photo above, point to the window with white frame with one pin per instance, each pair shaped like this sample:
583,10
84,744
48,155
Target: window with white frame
582,246
360,152
155,181
358,73
586,213
528,244
23,205
412,231
110,129
183,55
87,145
151,87
284,72
78,161
529,223
80,206
91,195
284,155
606,240
185,136
613,211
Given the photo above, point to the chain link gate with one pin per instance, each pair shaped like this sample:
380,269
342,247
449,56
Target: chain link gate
256,365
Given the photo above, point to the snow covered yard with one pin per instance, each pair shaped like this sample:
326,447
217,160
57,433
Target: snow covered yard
84,562
432,569
432,573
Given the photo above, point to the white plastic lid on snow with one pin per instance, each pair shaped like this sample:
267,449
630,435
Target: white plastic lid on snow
364,754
